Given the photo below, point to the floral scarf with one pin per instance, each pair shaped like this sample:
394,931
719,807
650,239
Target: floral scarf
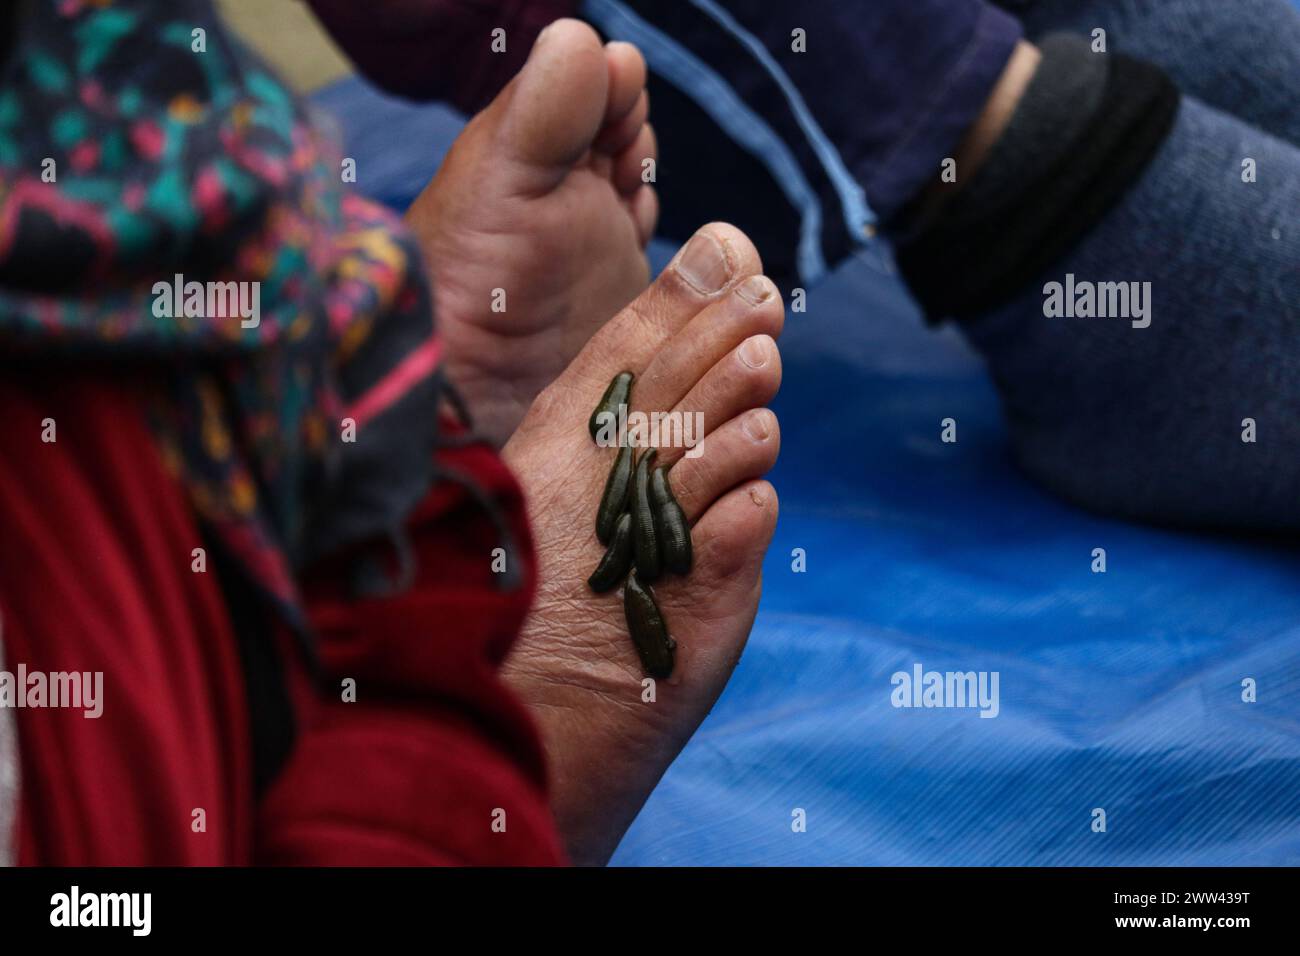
143,154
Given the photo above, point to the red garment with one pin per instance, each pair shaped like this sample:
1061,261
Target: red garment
95,575
439,49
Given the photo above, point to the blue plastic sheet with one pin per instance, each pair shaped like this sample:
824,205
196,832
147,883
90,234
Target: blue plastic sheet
1119,691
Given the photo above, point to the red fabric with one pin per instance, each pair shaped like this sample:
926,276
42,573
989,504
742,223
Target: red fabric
365,789
439,49
95,575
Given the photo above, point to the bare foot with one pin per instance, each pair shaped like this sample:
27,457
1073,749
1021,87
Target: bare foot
701,339
541,197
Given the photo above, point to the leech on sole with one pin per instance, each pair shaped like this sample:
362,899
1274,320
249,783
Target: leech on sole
673,531
649,630
649,559
617,393
618,486
617,560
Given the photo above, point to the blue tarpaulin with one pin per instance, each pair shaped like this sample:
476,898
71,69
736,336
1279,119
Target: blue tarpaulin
1119,692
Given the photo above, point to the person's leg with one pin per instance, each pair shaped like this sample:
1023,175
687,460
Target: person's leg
1241,56
1181,409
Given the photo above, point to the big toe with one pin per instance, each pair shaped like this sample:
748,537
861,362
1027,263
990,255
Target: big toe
559,99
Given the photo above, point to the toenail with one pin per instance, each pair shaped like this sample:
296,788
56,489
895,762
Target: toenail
755,290
758,424
703,264
754,351
757,495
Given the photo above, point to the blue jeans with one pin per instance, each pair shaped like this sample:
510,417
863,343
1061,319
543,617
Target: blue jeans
807,124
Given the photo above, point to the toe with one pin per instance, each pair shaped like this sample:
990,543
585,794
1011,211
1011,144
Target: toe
743,449
621,129
731,538
753,307
622,133
711,611
629,168
559,98
644,207
712,261
627,73
747,377
704,270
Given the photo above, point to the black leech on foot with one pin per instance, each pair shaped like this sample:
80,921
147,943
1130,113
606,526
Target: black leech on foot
670,524
617,393
615,499
649,631
649,561
640,521
617,560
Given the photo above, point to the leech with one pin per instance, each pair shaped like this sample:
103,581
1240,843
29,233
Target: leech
644,529
658,651
670,524
649,560
615,499
617,393
617,560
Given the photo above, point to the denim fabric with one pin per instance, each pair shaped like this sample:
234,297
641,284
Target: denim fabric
868,110
686,71
894,84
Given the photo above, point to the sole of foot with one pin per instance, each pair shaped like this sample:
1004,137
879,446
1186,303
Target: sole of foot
701,339
534,228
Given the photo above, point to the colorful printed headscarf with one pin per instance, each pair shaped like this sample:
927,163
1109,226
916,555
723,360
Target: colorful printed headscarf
144,154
